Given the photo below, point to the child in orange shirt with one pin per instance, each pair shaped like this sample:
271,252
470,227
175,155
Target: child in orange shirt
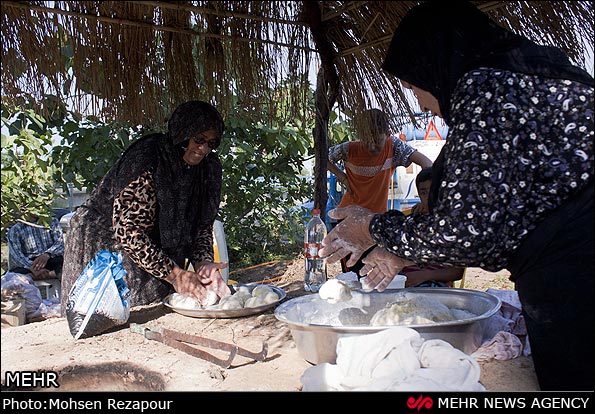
369,165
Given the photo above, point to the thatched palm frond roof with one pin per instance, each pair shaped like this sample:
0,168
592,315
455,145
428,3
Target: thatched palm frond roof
136,60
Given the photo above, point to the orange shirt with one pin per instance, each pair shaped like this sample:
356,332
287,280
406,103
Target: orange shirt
369,176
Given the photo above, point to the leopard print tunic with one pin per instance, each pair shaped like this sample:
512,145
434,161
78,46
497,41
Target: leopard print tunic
134,215
135,212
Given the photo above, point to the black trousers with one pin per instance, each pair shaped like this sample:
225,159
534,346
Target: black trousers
55,264
553,271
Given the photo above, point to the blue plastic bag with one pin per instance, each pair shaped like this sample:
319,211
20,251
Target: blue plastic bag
100,298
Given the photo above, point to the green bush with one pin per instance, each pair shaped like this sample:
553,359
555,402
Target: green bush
27,185
263,177
263,180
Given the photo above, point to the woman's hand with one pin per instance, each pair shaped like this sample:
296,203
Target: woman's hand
210,276
188,284
196,284
350,237
380,268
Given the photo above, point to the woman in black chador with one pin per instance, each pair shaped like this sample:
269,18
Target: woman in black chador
156,206
512,187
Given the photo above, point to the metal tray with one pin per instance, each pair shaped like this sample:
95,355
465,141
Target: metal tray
214,312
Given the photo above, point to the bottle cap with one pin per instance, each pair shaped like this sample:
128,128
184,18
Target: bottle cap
316,211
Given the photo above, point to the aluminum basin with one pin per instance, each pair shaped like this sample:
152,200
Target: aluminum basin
317,342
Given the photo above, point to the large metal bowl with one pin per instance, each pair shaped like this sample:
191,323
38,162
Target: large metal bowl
317,343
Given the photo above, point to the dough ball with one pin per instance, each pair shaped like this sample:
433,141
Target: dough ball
261,291
413,311
180,301
254,302
335,291
270,297
231,303
242,296
224,299
244,289
212,298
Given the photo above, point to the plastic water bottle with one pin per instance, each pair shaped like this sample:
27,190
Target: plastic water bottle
315,272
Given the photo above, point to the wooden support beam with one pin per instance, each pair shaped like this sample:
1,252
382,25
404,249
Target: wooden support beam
327,90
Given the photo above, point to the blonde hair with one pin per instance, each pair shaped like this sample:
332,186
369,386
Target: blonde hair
372,127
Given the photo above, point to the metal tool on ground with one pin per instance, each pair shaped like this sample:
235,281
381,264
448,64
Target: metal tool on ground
181,340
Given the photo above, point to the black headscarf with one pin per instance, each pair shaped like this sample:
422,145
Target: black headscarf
436,43
188,197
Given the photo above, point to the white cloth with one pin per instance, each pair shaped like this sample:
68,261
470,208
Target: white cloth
394,359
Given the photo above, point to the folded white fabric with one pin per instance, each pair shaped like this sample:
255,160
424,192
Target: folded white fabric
394,359
503,346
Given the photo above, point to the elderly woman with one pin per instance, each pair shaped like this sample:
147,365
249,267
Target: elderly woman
156,206
512,187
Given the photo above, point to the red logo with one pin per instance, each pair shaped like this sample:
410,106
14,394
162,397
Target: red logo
420,402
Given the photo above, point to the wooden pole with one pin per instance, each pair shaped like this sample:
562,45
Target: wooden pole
325,96
323,110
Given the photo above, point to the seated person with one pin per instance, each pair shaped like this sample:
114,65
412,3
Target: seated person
431,275
35,249
423,182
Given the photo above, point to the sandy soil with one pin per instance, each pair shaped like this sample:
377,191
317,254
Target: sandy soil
121,360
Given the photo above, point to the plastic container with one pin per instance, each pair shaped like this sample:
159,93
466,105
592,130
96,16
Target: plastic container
220,248
315,267
398,282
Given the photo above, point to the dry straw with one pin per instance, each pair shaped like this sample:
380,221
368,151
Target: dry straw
142,58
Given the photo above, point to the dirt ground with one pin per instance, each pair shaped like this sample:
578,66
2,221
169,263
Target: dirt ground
121,360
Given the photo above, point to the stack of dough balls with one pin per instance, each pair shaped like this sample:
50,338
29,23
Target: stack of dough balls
244,298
